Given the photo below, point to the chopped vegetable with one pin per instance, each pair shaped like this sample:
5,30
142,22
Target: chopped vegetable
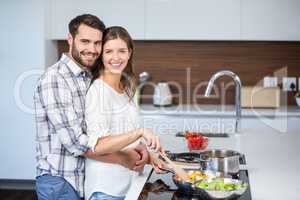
196,141
220,185
197,175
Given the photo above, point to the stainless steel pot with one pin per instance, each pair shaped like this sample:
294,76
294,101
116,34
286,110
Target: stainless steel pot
226,161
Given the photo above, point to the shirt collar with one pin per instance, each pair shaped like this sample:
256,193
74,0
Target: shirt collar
74,67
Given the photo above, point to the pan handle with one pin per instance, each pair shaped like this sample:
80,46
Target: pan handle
167,170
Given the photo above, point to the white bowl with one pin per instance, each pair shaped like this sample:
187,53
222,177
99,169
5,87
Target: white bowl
298,101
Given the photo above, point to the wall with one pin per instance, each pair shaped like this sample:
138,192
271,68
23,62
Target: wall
192,63
169,61
22,53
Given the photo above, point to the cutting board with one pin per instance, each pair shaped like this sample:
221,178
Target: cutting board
260,97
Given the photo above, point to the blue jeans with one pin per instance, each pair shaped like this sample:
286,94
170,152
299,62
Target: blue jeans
103,196
54,188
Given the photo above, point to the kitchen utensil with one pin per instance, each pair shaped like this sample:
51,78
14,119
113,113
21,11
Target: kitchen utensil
186,157
226,161
143,77
177,169
162,94
298,101
189,188
186,187
260,97
192,189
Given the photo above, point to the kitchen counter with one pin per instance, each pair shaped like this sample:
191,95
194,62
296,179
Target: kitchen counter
218,110
272,157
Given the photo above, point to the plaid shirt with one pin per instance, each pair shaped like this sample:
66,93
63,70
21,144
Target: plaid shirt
61,129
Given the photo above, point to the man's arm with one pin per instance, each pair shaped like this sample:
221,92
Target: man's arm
53,95
127,158
149,158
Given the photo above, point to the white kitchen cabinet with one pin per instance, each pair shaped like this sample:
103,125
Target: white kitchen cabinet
192,20
270,20
129,14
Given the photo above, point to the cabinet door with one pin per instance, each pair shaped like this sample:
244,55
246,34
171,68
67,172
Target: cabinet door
270,20
129,14
192,19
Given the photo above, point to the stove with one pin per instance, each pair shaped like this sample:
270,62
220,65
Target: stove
161,186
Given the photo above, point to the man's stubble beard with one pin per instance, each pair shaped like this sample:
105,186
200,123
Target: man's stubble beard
76,55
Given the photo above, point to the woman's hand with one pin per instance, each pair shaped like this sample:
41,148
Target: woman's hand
151,139
129,158
157,164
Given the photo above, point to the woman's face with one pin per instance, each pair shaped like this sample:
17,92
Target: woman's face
115,55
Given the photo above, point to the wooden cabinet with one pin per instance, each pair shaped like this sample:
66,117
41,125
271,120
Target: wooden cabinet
192,19
129,14
270,20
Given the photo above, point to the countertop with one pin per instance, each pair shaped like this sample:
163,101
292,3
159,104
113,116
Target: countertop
272,157
219,110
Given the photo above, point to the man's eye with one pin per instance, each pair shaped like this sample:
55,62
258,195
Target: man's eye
98,43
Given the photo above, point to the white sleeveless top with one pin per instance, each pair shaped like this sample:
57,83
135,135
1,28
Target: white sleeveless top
108,112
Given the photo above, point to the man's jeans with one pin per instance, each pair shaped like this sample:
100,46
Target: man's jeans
54,188
103,196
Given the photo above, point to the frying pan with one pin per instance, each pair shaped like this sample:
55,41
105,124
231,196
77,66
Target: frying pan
190,189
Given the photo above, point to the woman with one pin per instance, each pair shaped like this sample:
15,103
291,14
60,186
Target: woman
111,115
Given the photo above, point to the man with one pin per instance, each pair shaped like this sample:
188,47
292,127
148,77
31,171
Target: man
59,100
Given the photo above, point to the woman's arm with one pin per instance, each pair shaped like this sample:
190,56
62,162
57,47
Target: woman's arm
98,119
127,158
113,143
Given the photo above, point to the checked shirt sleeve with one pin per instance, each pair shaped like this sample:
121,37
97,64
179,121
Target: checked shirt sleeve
56,99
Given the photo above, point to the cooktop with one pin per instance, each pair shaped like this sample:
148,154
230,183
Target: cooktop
161,186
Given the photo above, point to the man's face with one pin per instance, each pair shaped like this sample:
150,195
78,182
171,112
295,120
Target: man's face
85,48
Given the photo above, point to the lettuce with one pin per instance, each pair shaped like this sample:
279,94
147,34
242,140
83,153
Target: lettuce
219,185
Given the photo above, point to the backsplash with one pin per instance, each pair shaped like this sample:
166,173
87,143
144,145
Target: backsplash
188,66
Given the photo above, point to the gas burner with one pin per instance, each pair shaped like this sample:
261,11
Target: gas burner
161,186
192,157
187,157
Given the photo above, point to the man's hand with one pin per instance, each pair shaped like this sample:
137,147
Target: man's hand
129,158
143,152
